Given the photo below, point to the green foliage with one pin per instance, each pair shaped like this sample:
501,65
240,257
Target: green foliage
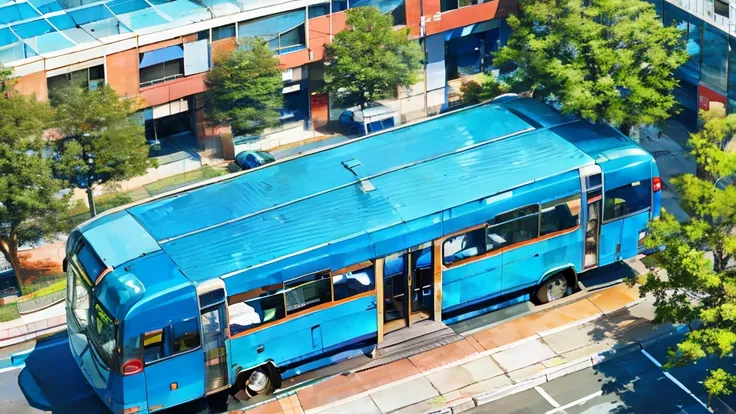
600,59
699,285
488,88
29,205
370,60
9,312
98,122
246,89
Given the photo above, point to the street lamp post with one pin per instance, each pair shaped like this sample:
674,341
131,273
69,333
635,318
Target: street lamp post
90,158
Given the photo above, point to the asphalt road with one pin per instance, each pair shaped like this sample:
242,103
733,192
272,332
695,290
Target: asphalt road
630,384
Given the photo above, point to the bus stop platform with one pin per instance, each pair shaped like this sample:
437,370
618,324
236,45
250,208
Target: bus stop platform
509,352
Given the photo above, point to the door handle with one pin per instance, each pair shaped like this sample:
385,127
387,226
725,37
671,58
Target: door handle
371,306
260,348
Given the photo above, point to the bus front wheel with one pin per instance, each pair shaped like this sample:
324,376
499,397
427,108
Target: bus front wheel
556,287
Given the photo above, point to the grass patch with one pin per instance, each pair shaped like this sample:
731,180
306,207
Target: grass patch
180,180
54,287
652,260
79,212
36,284
9,312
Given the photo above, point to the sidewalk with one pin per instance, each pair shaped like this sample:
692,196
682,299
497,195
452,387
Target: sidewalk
537,347
669,150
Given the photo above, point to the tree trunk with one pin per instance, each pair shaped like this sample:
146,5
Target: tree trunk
9,247
91,201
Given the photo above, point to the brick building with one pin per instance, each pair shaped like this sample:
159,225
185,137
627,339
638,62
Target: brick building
160,50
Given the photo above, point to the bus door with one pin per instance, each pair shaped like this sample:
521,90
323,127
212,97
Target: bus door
213,318
408,287
592,180
626,211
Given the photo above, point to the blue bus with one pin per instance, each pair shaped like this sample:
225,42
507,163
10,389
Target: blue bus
241,282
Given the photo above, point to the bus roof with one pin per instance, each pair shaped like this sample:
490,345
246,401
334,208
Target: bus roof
351,190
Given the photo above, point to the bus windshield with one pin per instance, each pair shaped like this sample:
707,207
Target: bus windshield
94,321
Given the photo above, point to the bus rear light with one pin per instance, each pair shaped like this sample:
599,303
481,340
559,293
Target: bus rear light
132,410
133,366
656,184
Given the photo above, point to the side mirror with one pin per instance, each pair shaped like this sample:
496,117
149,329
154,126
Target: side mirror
64,264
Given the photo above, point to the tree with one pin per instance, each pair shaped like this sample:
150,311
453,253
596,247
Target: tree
30,205
369,59
102,143
488,88
697,286
606,60
246,89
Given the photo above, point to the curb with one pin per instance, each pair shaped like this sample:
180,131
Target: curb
553,373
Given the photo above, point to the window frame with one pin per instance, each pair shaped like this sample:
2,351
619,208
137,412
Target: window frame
148,83
503,249
326,274
254,294
647,183
167,347
556,202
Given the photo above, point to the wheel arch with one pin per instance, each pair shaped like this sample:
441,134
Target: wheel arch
568,270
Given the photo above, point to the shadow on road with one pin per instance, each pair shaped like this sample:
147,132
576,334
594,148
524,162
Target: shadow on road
637,381
51,380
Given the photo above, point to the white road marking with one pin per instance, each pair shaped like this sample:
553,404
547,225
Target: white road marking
673,379
13,368
581,401
576,402
547,397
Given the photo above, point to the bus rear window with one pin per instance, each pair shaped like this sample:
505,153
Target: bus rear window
627,199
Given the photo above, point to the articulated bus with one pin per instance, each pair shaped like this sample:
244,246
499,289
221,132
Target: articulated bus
242,282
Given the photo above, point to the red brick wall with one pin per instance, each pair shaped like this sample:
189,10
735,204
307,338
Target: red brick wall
319,32
122,72
34,83
169,91
320,104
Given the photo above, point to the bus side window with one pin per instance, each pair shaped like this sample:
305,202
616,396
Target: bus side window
514,227
186,335
353,283
560,215
464,245
153,346
627,199
307,291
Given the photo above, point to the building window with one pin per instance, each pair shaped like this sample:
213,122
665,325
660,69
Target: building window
627,199
161,65
223,32
319,10
463,246
91,78
721,8
446,5
284,32
713,71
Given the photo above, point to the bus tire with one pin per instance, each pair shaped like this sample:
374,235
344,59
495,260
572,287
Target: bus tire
554,288
257,382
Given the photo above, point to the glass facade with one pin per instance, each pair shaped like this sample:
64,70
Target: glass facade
707,80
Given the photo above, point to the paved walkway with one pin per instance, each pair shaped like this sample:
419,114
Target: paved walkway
547,344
